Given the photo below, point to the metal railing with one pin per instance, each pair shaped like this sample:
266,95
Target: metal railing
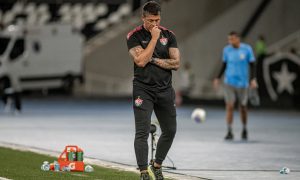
293,40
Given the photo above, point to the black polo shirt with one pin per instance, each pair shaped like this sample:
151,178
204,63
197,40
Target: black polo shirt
152,77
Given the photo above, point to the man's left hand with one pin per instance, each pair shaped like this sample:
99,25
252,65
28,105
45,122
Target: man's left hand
253,84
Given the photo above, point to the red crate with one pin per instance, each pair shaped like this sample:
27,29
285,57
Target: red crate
63,159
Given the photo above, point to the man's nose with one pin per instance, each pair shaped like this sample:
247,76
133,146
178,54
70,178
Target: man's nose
154,24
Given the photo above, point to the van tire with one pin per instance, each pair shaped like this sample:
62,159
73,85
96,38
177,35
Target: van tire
68,84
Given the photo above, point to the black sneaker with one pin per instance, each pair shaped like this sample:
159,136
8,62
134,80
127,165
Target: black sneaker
229,136
155,173
145,176
244,135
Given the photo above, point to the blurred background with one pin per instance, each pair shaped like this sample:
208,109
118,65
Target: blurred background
65,66
78,48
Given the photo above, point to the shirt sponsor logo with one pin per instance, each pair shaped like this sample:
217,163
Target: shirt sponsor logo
138,102
145,42
163,41
242,56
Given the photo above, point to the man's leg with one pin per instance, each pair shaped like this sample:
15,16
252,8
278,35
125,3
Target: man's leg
7,99
165,111
243,115
229,94
243,101
18,105
229,115
143,107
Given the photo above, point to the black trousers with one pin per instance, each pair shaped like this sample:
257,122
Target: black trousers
163,104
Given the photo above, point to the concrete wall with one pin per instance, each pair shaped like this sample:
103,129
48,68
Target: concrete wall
201,27
278,21
204,48
109,70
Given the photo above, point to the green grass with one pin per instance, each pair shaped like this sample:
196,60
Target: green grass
22,165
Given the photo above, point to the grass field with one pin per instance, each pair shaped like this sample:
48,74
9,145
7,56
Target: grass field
21,165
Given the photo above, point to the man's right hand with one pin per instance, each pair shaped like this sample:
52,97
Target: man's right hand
155,32
216,83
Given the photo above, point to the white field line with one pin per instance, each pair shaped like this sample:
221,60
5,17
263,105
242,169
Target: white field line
92,161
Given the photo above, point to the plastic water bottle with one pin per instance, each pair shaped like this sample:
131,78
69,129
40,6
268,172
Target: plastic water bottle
66,168
42,167
56,166
45,166
284,170
254,97
88,168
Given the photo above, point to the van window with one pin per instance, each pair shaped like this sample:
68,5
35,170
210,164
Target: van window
3,44
17,50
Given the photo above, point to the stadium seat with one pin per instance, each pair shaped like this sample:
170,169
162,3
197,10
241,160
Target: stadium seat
78,22
101,25
124,9
18,8
91,18
8,17
66,18
64,9
42,8
88,9
76,9
101,9
32,19
87,17
30,8
114,18
43,19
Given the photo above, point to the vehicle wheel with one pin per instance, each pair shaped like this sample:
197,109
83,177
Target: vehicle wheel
68,84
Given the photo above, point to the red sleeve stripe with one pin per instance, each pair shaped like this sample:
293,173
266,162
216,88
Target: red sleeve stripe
133,31
163,28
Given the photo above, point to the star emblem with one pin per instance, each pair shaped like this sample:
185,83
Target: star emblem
285,79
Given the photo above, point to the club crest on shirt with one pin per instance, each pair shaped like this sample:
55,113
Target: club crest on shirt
242,56
163,41
138,102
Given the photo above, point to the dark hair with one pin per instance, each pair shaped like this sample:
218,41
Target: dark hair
152,8
234,33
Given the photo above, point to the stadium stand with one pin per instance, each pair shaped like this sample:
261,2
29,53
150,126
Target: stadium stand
87,17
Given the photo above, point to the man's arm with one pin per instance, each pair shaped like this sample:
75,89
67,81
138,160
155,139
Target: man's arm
135,53
216,81
142,56
222,70
253,82
173,63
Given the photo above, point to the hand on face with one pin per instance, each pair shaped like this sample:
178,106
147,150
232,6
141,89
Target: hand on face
155,32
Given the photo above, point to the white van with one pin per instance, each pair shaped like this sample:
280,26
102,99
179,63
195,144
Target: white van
45,57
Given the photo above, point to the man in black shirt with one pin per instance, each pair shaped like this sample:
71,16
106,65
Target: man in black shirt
154,51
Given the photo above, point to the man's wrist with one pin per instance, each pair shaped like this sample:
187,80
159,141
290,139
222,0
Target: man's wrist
153,60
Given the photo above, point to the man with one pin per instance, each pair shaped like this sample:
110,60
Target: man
154,51
237,57
11,93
